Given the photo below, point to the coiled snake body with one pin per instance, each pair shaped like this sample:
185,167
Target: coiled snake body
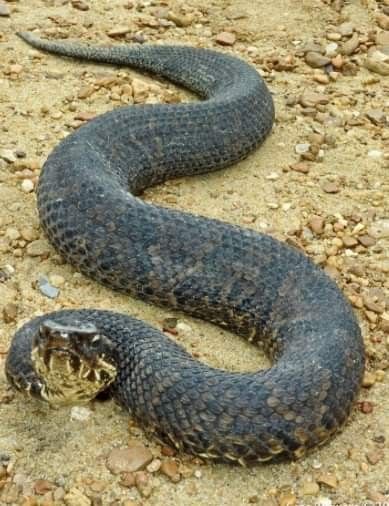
245,281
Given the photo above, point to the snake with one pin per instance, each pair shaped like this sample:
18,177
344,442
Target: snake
254,285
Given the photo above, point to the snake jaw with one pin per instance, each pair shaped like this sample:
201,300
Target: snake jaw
74,363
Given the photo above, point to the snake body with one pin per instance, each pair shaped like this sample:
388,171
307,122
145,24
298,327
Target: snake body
239,279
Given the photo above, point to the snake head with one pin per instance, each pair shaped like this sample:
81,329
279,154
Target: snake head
74,362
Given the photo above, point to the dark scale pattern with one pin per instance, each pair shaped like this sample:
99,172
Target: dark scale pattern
247,282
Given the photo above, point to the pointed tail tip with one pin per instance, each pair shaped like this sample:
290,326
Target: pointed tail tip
27,36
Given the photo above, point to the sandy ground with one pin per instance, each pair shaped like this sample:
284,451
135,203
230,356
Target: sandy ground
333,203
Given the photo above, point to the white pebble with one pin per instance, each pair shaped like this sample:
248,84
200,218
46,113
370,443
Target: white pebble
12,233
374,153
154,466
46,288
8,155
9,269
316,464
27,185
80,413
273,176
302,148
184,328
56,280
323,501
331,49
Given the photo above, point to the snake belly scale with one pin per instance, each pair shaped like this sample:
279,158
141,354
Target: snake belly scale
239,279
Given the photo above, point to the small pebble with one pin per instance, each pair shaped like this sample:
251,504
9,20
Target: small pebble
141,90
331,49
287,500
309,487
374,306
368,379
316,224
37,248
4,9
366,407
349,241
334,36
170,469
384,325
337,62
374,457
321,78
80,413
27,185
328,479
47,289
312,99
323,501
128,480
253,499
8,155
378,62
58,495
273,176
85,92
168,451
154,466
301,167
133,458
76,498
377,117
380,375
12,233
316,60
183,328
377,498
98,485
376,154
382,38
180,19
57,280
43,486
80,5
302,148
29,234
330,187
142,482
225,38
366,240
380,229
383,21
119,31
346,29
350,45
10,312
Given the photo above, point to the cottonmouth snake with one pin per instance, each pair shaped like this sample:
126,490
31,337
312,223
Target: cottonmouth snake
247,282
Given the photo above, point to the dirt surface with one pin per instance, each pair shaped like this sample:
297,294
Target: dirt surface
320,181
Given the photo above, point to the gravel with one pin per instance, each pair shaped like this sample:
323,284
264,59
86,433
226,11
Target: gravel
326,63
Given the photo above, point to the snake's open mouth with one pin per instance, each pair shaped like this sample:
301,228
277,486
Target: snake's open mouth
74,362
